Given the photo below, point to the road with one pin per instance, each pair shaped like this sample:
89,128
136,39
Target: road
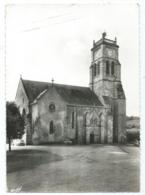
93,168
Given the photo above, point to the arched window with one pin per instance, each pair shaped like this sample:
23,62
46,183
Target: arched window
98,68
72,121
23,112
51,127
94,69
112,68
24,116
85,118
107,67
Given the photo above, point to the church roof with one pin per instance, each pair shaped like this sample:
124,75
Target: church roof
71,94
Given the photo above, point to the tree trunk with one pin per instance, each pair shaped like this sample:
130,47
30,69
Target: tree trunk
9,143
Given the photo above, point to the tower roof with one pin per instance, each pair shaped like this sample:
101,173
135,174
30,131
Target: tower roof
104,40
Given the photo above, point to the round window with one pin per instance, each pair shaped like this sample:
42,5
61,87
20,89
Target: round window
52,107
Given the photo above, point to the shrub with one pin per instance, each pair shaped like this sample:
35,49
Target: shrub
132,136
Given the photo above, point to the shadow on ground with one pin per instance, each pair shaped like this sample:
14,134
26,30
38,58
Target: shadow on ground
19,160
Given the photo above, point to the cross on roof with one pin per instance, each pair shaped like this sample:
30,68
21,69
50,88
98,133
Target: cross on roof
52,80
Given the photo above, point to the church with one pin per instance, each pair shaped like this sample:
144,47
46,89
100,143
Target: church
57,113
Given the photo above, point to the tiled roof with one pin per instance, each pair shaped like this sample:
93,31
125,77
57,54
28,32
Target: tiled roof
104,41
71,94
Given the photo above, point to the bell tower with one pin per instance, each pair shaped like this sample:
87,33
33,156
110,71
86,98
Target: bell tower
105,81
105,69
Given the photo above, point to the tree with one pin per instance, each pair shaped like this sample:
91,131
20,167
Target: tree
14,122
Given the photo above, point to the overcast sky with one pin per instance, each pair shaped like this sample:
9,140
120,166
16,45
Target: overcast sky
45,42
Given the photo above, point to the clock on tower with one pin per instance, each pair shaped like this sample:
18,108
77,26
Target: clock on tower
97,54
110,52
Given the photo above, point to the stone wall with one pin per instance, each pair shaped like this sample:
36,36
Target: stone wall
90,121
71,122
49,123
107,88
114,91
121,120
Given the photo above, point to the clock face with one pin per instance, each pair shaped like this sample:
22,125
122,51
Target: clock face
97,54
111,53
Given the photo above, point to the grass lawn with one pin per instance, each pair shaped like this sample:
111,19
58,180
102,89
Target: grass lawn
94,168
19,160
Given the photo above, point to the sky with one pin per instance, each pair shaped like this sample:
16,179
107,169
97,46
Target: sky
54,41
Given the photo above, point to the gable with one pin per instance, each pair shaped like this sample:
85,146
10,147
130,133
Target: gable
42,106
34,88
49,95
21,98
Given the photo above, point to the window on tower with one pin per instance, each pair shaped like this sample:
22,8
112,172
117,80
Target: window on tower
107,67
112,68
94,69
98,68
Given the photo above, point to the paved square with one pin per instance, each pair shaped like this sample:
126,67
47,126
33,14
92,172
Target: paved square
93,168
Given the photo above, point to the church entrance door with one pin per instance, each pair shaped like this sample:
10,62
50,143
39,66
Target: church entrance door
92,138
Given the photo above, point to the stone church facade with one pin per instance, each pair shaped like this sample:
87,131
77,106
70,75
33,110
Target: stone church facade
56,113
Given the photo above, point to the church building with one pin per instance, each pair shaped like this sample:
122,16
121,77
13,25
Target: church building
56,113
